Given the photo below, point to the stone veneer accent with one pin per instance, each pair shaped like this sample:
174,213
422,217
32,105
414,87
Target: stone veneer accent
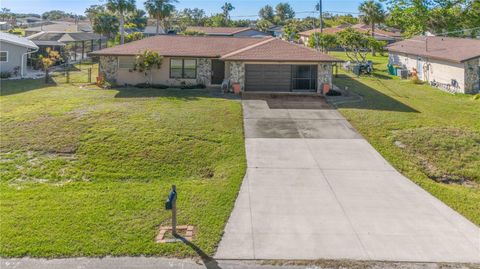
204,71
324,75
108,68
237,73
472,76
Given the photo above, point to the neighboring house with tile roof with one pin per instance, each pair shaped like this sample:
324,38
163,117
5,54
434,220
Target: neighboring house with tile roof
228,31
453,64
14,51
60,26
380,35
257,64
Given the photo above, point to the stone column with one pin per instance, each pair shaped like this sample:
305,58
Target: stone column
324,75
204,71
472,76
237,73
108,68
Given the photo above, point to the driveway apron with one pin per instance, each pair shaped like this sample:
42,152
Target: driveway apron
315,189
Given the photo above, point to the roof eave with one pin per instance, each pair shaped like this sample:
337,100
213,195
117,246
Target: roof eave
433,57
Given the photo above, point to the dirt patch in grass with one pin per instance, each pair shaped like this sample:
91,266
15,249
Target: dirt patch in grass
446,155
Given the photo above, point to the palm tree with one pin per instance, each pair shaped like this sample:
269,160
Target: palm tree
227,7
121,7
371,12
160,9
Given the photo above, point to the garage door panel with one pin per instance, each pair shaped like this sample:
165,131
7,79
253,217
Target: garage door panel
267,77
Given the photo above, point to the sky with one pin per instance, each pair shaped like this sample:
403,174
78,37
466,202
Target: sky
244,9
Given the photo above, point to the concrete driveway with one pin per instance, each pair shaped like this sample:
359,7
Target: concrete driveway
315,189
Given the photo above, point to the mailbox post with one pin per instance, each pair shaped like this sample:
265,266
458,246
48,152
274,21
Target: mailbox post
171,204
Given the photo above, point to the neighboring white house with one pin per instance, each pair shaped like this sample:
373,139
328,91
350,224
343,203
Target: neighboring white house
451,64
14,51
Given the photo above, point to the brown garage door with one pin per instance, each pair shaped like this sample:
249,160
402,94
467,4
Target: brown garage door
268,77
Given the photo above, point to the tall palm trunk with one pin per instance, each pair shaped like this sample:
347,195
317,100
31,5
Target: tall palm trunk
122,29
158,25
373,35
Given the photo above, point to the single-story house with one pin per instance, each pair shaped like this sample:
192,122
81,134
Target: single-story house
61,26
5,26
151,30
30,21
14,51
380,35
257,64
446,62
227,31
76,44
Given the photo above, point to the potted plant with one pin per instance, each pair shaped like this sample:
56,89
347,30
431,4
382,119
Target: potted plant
236,88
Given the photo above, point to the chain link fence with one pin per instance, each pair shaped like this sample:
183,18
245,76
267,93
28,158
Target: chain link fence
78,73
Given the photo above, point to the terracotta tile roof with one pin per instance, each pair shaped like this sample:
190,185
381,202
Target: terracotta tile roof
277,50
441,48
218,30
177,45
227,48
380,34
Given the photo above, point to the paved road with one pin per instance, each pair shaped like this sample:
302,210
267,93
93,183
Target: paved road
316,189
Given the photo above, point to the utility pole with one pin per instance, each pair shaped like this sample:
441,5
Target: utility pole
321,15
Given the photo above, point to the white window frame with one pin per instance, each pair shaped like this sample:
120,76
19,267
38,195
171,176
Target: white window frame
6,52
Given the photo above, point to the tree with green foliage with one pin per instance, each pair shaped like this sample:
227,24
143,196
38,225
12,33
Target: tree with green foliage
266,13
48,60
5,13
105,25
283,12
160,10
145,62
54,15
121,8
192,17
136,19
93,11
226,8
192,33
292,29
217,20
323,41
371,12
356,44
263,25
447,17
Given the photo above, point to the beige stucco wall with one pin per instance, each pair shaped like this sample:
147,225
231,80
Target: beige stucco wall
440,71
109,67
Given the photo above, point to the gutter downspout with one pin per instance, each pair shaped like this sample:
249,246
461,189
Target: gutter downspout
23,57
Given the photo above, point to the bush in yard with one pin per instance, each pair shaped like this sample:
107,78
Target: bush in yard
146,61
48,61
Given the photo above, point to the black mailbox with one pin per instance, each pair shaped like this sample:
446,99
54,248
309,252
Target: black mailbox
171,198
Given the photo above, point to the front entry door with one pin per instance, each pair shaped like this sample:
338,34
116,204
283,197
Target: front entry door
218,71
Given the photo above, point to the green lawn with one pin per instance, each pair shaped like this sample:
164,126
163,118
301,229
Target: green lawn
85,172
432,137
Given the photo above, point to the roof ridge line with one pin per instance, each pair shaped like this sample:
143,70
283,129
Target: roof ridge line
268,40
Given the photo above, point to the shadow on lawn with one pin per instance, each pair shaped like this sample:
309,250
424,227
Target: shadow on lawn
10,87
372,99
182,94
